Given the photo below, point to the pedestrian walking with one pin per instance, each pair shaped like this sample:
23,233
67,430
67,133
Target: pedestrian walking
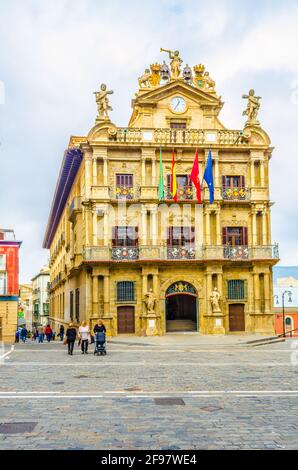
40,331
24,333
48,332
71,334
84,335
61,333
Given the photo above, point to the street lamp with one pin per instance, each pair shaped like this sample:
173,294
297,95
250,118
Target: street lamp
283,308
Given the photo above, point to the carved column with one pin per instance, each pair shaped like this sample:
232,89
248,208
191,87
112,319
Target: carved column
88,179
254,226
252,173
106,228
154,226
106,294
218,231
144,225
267,292
154,171
207,227
262,173
94,295
264,227
94,230
105,171
143,181
257,292
94,171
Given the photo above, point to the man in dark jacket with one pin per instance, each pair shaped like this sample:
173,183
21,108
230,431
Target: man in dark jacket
61,332
71,334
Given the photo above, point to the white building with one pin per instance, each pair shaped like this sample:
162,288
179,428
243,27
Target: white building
40,297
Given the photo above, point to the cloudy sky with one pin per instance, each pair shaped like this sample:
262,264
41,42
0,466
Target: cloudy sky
55,53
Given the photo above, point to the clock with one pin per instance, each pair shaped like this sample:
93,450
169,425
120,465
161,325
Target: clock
178,104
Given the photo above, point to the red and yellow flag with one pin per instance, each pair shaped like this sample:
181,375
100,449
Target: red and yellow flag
195,177
173,178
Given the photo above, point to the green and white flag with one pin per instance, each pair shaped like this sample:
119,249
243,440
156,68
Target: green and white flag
161,189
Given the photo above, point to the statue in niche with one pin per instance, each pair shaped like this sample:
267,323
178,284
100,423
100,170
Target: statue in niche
215,298
150,300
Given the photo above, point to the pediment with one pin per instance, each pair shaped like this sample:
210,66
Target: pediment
172,88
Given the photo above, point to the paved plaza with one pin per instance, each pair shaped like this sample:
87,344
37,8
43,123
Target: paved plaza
177,392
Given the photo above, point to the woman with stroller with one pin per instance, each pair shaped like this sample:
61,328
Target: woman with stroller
100,338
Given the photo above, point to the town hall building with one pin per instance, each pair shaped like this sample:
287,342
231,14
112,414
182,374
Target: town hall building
130,242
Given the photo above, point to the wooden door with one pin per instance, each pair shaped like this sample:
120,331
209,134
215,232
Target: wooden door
236,317
126,320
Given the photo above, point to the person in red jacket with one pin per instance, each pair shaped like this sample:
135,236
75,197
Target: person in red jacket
48,332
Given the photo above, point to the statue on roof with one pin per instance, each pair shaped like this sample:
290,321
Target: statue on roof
165,72
253,106
187,74
145,79
176,62
102,101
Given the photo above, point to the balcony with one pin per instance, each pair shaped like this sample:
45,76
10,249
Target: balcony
180,253
235,194
184,193
179,136
126,193
74,208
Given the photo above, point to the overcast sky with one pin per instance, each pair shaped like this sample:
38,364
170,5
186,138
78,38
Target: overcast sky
55,53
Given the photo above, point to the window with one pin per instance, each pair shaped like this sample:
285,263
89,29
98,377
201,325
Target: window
125,291
124,180
237,290
233,181
2,283
2,262
181,236
125,236
234,236
45,308
77,302
71,305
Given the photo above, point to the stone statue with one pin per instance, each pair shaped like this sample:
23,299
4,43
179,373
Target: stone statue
145,79
187,74
150,301
155,74
165,73
102,102
176,62
253,106
209,83
215,298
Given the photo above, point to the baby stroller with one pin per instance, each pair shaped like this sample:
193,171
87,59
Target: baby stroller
100,344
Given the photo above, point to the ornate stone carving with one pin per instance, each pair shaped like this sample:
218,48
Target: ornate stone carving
176,62
150,300
252,109
214,299
102,101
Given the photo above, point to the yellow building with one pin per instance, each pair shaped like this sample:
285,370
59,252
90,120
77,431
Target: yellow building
122,252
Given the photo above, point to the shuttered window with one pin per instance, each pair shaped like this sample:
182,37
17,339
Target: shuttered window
237,290
124,180
125,236
181,236
125,291
233,181
234,236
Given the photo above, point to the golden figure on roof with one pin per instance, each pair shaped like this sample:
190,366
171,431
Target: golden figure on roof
253,106
102,101
176,62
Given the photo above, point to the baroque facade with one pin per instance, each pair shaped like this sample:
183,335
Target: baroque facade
148,265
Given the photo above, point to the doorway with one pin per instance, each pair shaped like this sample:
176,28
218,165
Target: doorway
181,313
236,317
126,320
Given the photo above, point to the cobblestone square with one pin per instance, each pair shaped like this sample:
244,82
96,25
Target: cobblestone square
217,395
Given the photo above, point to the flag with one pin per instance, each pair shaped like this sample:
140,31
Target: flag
194,176
208,176
161,189
173,178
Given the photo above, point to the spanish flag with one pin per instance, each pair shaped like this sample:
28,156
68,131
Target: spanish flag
173,178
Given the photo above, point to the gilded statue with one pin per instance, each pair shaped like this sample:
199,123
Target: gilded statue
253,106
145,79
215,298
209,83
102,101
176,62
155,74
150,301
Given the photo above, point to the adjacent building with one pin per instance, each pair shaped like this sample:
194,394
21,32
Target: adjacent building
40,297
286,300
25,310
129,242
9,284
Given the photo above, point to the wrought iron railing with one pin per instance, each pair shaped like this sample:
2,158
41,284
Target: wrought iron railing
125,192
176,253
184,193
235,194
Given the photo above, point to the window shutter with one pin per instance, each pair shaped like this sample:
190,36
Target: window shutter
136,236
244,236
170,236
225,235
114,235
245,289
224,181
192,235
242,182
169,182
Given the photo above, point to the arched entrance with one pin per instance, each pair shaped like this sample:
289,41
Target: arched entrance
181,307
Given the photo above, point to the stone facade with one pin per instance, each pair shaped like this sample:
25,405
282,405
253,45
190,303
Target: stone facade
115,184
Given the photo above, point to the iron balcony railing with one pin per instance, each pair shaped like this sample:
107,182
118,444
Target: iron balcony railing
125,192
184,193
180,253
235,194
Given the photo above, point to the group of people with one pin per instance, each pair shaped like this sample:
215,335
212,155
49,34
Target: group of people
84,335
39,334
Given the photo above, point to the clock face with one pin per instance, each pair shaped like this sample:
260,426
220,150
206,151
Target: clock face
178,104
